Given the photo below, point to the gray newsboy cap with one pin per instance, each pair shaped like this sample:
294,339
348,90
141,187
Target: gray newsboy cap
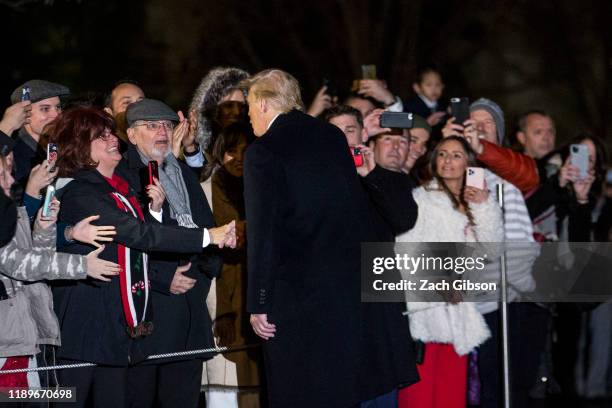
149,109
40,90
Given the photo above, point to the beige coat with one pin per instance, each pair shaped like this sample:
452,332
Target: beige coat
226,299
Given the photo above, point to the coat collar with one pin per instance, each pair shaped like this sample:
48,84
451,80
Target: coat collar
284,118
132,158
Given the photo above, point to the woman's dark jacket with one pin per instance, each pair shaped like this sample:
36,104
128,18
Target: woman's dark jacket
93,326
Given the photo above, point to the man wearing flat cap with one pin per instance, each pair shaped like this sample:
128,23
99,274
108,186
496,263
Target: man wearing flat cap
180,283
45,98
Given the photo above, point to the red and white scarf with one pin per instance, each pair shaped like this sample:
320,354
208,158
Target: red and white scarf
134,277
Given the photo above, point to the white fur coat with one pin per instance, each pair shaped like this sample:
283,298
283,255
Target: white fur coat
437,322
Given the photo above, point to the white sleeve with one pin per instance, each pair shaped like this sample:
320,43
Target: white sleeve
155,214
206,240
197,160
397,106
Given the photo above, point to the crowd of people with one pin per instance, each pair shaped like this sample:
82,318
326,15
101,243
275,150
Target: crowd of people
132,232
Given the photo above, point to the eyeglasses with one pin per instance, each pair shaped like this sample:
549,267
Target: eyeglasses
156,126
106,136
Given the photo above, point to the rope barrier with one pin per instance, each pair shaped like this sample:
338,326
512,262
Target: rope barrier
216,350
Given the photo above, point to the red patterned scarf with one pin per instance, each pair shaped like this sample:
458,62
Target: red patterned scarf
134,276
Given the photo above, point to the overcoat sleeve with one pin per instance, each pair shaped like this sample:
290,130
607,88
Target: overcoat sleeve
131,232
391,194
263,178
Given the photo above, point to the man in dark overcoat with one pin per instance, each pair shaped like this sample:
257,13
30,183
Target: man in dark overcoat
307,218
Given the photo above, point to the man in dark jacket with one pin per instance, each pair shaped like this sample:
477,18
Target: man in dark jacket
392,211
180,283
307,218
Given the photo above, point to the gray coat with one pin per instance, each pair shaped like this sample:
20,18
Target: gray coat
26,317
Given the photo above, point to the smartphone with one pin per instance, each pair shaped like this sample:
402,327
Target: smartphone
48,198
153,171
475,177
460,109
331,87
396,120
52,155
357,156
25,93
609,176
368,72
579,154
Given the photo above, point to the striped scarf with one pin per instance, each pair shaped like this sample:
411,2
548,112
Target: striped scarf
134,277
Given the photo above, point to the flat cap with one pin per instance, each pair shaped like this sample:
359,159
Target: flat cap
40,90
150,109
419,122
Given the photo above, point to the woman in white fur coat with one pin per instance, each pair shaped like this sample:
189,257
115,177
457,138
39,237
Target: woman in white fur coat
449,211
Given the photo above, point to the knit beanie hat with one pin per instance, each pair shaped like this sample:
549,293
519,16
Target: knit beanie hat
495,111
419,122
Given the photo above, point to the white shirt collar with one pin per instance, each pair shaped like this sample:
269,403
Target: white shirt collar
430,104
273,119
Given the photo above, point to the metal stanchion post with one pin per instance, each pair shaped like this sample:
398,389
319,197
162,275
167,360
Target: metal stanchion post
504,311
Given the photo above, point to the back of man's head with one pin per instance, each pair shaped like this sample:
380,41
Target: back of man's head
279,88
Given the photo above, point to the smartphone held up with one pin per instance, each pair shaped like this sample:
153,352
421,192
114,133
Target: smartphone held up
153,171
579,156
357,156
50,193
52,156
460,109
475,177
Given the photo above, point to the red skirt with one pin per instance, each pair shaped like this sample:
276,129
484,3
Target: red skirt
443,381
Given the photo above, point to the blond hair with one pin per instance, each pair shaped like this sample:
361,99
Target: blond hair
277,87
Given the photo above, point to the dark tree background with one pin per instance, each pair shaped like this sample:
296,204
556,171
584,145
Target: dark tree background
552,55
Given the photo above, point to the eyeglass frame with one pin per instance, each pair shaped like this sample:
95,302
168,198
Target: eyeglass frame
166,124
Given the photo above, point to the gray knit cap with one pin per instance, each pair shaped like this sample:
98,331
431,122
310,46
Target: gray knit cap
40,90
495,111
149,109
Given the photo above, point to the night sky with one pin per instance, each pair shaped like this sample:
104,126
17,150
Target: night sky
551,55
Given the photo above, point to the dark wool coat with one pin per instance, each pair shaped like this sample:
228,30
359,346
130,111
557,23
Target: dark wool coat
93,326
307,218
181,321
